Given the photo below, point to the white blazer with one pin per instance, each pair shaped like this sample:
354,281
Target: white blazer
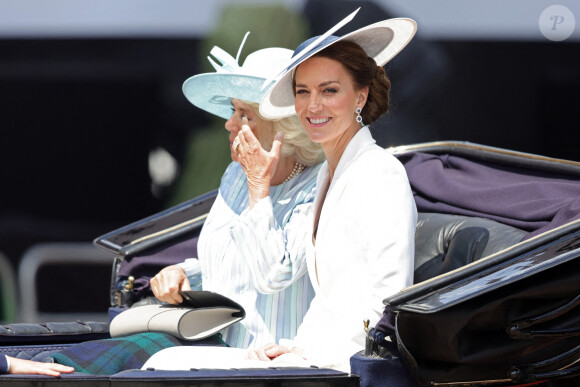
364,250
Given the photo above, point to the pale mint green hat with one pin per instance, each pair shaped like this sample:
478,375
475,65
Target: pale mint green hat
213,92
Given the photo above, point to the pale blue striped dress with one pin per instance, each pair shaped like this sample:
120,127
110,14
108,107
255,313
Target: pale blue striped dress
258,257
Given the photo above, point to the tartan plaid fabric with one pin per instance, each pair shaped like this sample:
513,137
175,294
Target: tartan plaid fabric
107,357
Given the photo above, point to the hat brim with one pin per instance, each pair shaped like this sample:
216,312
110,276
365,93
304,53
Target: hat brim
213,92
381,41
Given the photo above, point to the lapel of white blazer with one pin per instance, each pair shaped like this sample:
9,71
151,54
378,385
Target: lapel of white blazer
357,145
330,201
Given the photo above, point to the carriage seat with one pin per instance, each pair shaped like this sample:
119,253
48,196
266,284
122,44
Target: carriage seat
446,242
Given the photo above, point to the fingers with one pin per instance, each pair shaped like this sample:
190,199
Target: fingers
245,136
185,285
267,352
236,144
22,366
246,124
248,140
54,368
246,143
252,355
167,283
277,145
276,351
258,354
154,283
262,355
258,164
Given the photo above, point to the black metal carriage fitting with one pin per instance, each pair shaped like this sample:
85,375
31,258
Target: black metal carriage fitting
518,330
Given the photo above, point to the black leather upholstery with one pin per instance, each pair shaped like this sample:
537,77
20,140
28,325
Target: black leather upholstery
446,242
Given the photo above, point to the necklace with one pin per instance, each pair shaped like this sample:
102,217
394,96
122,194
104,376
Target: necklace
297,170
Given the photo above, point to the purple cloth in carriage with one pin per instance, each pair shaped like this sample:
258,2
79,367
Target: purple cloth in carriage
532,200
529,199
145,265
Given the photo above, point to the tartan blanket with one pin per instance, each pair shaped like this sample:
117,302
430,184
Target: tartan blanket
109,356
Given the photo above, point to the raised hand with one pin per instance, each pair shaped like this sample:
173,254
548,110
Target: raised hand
258,164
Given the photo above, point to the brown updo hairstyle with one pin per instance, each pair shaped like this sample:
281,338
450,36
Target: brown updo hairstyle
364,72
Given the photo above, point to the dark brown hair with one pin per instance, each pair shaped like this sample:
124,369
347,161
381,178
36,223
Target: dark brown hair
364,72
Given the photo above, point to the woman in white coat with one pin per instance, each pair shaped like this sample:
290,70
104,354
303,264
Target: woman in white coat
364,217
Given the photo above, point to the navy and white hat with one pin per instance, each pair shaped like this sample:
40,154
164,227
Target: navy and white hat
381,41
213,92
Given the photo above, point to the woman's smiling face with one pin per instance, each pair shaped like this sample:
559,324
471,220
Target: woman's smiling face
326,100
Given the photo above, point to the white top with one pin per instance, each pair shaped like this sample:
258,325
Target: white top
258,257
364,250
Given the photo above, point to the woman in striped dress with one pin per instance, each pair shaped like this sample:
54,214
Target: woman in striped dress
251,248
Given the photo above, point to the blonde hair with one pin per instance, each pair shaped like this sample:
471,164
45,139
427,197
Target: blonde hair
296,141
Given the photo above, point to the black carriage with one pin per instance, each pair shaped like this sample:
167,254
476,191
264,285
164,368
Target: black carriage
495,295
